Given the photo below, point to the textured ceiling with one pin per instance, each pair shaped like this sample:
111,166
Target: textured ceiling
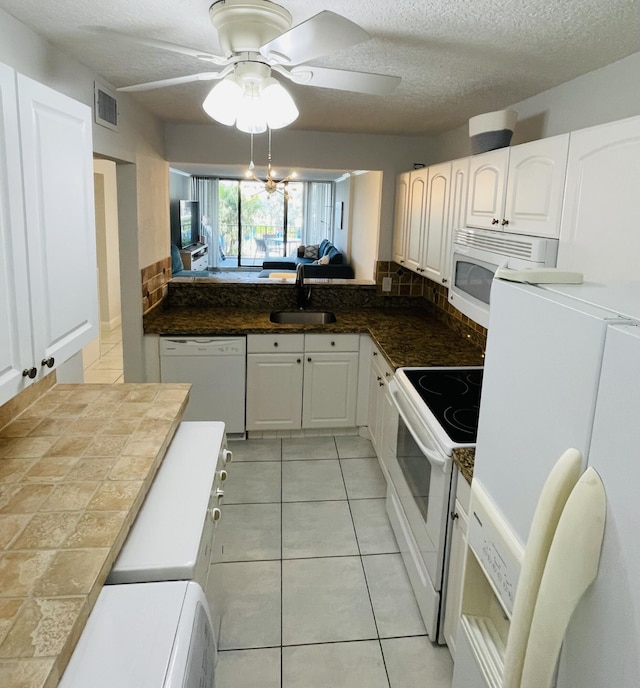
457,58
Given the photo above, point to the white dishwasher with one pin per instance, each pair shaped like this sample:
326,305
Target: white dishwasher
215,367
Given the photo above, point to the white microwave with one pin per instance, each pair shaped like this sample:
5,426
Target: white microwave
477,254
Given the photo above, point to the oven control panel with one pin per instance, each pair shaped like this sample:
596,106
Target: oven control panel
495,546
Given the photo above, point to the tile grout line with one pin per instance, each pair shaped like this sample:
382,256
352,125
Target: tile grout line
364,573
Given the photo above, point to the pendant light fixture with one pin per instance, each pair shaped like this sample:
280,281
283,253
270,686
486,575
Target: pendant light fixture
251,99
271,184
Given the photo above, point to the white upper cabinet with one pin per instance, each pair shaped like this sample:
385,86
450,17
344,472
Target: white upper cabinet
416,217
519,189
600,233
16,351
535,186
487,184
47,231
435,245
400,218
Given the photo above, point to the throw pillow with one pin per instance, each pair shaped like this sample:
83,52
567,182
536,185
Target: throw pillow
335,256
311,251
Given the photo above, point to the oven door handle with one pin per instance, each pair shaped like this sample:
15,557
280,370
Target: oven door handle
434,457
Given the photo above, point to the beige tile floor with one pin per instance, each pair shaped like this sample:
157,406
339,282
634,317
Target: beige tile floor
308,588
108,368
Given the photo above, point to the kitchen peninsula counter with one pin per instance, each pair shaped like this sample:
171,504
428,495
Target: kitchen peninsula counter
75,467
406,337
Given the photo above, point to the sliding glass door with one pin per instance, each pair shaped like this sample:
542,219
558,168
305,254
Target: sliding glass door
255,225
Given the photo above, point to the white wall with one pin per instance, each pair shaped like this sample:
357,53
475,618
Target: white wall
342,235
604,95
107,243
365,230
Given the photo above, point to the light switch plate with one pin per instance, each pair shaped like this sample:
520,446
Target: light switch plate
386,284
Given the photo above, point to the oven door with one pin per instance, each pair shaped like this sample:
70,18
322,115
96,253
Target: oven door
418,506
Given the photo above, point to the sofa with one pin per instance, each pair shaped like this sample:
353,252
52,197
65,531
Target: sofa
177,266
321,260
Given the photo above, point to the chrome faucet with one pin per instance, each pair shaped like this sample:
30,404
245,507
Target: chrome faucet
303,295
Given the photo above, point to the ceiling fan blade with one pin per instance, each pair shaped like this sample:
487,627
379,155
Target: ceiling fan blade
162,83
163,45
342,79
324,33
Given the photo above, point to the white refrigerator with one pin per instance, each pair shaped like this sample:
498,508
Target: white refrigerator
562,370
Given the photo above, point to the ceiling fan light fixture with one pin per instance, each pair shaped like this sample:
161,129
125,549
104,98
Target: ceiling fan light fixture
278,105
223,100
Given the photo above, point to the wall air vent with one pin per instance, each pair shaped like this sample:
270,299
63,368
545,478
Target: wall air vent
105,107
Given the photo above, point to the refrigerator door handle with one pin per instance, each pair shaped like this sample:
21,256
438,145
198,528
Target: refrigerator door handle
572,565
553,498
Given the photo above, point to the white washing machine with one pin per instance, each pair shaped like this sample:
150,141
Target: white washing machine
172,536
147,635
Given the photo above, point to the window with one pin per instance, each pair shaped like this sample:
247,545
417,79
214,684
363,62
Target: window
250,225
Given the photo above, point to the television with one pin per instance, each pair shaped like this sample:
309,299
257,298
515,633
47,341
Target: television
189,223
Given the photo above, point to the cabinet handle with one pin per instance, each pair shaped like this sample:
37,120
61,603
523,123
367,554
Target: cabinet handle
30,372
309,359
333,343
381,384
378,378
444,280
495,221
504,222
387,374
48,362
275,343
454,515
300,360
375,353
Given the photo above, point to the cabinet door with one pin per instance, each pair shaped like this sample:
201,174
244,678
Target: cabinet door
330,390
16,351
487,185
400,218
416,218
57,164
457,209
436,227
535,187
599,234
274,391
455,578
375,380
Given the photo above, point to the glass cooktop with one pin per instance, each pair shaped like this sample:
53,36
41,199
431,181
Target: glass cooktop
453,396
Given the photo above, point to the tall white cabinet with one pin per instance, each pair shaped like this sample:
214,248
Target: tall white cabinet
600,233
47,231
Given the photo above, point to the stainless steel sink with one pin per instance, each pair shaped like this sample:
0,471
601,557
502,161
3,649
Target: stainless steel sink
302,317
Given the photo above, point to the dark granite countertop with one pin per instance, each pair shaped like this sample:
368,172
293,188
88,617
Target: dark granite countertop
407,337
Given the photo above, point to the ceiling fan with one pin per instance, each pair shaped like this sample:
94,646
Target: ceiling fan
256,37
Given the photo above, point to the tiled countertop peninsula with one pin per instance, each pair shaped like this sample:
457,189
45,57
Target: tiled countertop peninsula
75,467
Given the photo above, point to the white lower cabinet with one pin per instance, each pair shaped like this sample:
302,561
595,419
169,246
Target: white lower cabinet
381,374
302,381
457,556
48,274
